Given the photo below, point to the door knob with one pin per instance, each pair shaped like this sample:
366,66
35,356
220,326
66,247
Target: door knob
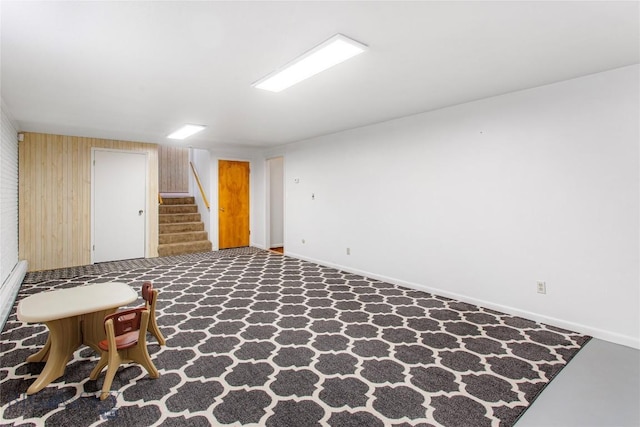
140,212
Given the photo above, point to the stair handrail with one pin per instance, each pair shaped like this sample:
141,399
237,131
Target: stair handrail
204,197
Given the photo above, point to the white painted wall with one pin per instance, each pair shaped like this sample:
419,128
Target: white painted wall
276,202
481,200
258,203
202,160
11,271
8,196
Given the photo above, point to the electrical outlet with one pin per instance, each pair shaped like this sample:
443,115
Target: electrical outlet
348,251
542,287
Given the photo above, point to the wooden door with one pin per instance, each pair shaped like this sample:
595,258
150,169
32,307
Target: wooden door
233,204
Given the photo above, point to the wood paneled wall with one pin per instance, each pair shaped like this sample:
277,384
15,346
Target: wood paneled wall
174,169
55,198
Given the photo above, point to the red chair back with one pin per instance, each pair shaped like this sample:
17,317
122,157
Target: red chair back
126,321
147,292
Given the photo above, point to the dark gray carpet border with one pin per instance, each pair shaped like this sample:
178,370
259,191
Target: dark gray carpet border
107,267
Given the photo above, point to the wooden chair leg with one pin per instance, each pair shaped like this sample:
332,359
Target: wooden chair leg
153,328
104,360
114,364
140,354
153,324
142,358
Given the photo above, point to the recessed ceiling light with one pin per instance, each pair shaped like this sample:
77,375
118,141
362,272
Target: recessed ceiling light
186,131
327,54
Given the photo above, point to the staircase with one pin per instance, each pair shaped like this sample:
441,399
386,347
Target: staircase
181,230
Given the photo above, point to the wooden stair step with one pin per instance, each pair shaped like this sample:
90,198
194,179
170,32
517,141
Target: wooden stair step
178,201
190,236
177,209
174,218
181,227
184,248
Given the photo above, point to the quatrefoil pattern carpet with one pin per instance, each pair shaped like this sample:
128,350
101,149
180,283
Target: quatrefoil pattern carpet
264,339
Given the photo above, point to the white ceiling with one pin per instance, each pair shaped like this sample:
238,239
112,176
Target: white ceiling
138,70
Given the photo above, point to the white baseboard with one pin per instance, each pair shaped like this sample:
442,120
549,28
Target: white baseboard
616,338
10,289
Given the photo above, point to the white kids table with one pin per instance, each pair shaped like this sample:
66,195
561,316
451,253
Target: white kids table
74,316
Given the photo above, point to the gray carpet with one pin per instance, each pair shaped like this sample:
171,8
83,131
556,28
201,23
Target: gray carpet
130,264
257,338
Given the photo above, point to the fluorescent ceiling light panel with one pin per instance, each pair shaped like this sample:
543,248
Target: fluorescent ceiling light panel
186,131
332,52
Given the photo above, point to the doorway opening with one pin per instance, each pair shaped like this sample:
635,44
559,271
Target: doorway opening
275,224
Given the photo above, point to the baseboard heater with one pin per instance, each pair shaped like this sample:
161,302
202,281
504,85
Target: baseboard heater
10,289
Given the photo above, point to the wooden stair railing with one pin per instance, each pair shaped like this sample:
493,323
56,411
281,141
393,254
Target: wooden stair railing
204,197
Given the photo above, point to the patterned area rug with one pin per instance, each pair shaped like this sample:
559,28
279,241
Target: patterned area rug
264,339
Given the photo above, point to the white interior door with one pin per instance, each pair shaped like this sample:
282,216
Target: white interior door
119,205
